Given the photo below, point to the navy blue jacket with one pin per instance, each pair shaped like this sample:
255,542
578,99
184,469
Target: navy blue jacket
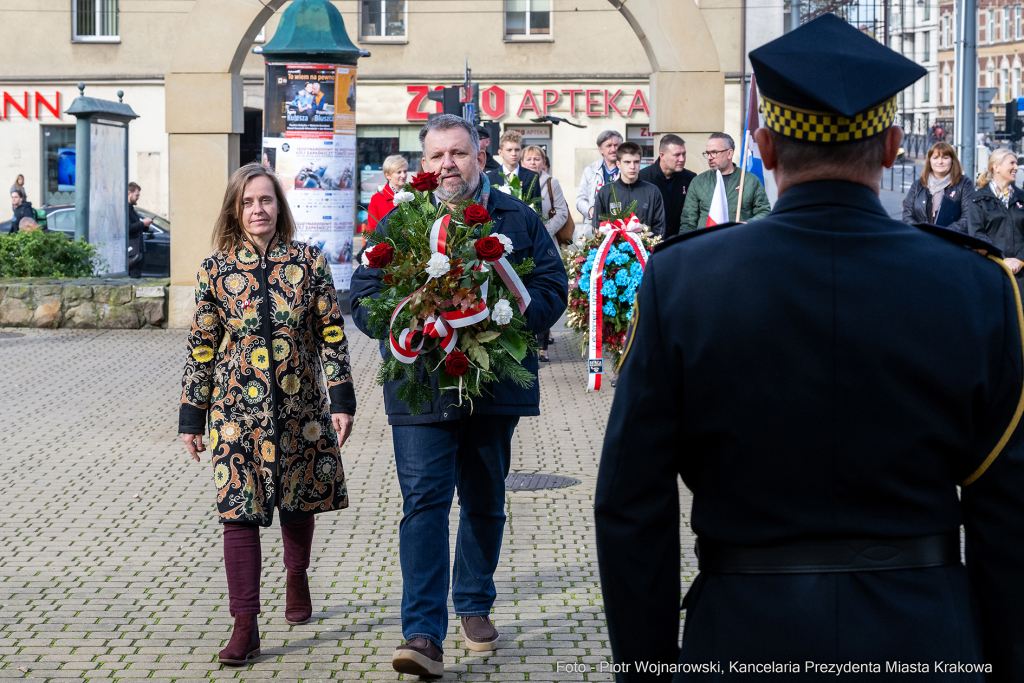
549,290
530,180
825,372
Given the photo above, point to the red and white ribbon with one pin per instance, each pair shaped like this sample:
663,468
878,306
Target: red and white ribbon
630,233
402,347
508,275
439,234
631,224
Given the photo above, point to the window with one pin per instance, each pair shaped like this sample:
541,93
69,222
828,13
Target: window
58,164
1005,85
95,21
926,45
1006,23
527,19
1016,22
926,85
927,10
1016,83
382,20
946,97
991,25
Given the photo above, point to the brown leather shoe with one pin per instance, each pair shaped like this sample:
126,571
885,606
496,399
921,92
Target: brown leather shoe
419,657
480,634
245,641
298,606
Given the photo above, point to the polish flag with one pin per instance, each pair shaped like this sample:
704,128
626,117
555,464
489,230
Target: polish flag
719,211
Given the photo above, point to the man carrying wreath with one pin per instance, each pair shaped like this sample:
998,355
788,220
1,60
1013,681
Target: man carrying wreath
468,448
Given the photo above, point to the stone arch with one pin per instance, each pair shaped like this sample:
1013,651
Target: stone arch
204,107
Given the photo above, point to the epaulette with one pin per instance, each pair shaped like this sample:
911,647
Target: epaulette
693,233
959,238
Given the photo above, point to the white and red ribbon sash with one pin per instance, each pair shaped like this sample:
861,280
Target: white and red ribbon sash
402,347
508,275
631,224
439,234
630,233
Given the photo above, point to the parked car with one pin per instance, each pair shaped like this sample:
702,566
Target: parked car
156,261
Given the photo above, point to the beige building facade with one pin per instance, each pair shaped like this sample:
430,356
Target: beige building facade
185,66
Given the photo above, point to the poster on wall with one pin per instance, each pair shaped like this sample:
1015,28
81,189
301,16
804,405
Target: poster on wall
108,192
310,141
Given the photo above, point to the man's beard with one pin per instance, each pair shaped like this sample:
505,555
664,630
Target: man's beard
462,191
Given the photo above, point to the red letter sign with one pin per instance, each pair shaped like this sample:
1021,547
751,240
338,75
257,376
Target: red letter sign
53,110
23,110
609,101
413,113
492,102
572,100
528,103
593,101
638,103
551,98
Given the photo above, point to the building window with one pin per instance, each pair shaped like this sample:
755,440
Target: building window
1006,23
527,19
926,46
382,19
1016,82
95,21
927,10
991,25
1005,83
58,164
926,88
1016,22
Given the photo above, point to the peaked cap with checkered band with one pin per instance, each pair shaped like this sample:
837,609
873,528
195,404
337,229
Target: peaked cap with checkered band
827,82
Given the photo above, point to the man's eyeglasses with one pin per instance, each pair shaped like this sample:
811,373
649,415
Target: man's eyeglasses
713,153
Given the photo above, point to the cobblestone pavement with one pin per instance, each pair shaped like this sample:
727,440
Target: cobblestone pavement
111,564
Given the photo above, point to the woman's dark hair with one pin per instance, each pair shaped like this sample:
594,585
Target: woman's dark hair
227,231
956,171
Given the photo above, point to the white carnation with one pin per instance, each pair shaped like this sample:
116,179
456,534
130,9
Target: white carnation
505,242
502,312
403,197
438,265
505,188
366,261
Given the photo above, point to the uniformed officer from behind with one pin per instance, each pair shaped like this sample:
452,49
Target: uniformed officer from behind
823,379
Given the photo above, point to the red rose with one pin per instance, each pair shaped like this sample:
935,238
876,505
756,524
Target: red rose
425,182
474,214
456,363
381,255
489,248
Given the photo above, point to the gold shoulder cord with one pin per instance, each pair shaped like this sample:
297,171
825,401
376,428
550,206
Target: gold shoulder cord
1020,403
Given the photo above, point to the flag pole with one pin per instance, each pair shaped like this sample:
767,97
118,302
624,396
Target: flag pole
743,176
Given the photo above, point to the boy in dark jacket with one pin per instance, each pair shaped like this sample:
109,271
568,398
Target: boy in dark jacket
650,207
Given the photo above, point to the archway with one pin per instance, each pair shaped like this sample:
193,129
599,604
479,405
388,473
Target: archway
204,104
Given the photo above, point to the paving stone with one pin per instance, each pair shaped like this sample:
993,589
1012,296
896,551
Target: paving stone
99,585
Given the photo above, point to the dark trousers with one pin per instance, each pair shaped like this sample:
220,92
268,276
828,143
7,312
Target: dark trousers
472,455
243,559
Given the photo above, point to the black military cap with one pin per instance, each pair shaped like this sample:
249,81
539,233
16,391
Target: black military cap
483,133
828,82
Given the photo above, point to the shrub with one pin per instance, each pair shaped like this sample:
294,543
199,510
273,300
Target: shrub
46,254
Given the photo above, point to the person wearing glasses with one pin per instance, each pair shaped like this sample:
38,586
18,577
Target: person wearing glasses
719,152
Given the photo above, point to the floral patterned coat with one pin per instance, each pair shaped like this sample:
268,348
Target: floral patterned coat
266,335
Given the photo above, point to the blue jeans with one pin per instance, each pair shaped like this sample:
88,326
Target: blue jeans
472,454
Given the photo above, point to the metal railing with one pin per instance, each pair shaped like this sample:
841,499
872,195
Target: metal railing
901,177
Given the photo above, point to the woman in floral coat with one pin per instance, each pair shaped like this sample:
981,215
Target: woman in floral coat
266,339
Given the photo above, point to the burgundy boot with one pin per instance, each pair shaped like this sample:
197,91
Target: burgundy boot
245,641
298,604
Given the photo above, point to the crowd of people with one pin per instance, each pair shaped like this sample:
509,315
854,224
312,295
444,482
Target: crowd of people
990,209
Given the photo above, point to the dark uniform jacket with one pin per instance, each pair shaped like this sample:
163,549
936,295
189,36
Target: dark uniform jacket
989,220
917,205
673,193
823,373
548,286
650,207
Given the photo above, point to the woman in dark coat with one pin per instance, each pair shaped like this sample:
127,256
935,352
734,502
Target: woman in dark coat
942,194
997,210
266,335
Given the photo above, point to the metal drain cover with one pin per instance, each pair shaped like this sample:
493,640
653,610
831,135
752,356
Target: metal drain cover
535,481
10,335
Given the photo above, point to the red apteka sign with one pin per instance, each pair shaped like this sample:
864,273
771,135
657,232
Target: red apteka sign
493,102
